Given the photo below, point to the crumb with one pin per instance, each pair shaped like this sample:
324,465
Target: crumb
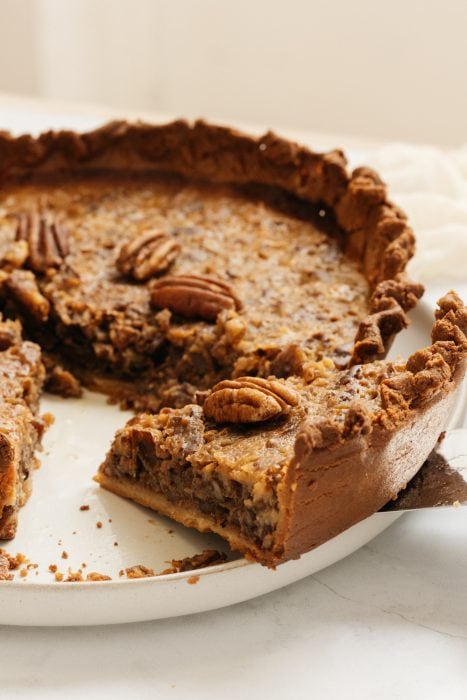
151,520
84,507
121,572
139,571
98,524
60,381
94,576
171,532
84,565
59,542
9,563
115,544
192,580
209,557
110,520
32,566
53,568
74,532
441,436
58,576
456,504
5,569
74,576
23,573
64,555
49,418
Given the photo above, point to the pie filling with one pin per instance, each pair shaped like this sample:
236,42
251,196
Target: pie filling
294,287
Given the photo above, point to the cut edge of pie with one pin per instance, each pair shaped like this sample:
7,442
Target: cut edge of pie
21,427
341,467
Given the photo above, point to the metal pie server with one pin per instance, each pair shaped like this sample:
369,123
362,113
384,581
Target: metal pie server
442,480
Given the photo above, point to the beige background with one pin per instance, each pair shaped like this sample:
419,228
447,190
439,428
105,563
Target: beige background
393,70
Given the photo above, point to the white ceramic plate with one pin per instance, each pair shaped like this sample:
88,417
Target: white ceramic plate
52,523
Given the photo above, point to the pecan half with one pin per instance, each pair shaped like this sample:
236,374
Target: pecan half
249,400
193,297
147,255
47,239
22,287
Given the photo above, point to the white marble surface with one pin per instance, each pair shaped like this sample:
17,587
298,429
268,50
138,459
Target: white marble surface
389,621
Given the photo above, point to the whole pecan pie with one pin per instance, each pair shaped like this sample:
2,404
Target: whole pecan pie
231,288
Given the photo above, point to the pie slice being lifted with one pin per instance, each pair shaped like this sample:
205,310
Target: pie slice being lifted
173,265
278,467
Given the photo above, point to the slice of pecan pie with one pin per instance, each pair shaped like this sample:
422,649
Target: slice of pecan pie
21,378
278,466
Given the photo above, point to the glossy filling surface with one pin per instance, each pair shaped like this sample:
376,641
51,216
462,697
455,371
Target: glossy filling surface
298,292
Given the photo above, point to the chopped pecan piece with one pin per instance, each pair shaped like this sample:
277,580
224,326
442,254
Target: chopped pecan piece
193,297
7,337
147,255
60,381
249,400
15,255
46,238
22,286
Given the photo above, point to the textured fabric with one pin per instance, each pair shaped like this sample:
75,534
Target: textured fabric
431,187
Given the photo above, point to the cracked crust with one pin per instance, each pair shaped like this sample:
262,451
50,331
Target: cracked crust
375,231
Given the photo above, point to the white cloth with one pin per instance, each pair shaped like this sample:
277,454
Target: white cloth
431,187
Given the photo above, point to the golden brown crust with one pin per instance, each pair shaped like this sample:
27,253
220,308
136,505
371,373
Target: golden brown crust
344,472
375,231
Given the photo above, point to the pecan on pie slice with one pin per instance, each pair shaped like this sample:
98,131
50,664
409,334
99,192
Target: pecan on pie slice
279,466
21,429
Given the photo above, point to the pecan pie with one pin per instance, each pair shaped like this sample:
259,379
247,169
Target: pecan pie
229,287
21,378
